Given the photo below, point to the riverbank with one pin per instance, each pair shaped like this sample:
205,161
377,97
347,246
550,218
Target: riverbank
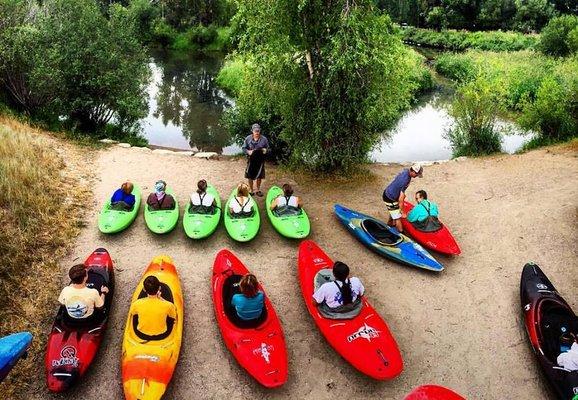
461,328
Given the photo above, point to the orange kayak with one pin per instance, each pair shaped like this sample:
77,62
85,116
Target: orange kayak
148,365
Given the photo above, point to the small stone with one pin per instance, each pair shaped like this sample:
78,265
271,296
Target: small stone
184,153
145,149
462,158
162,151
108,141
207,154
125,145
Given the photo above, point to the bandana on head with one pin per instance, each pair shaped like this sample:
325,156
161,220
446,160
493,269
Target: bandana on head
160,189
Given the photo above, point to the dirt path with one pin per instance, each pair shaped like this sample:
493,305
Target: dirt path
461,328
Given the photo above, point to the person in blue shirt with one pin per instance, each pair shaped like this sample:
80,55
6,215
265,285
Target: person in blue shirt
249,303
123,199
424,216
256,146
394,194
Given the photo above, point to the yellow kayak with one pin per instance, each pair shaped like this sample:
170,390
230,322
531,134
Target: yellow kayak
148,365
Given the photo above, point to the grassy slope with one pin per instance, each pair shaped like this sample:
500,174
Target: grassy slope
44,186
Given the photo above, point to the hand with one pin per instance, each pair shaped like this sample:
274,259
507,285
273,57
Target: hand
404,215
103,290
249,152
264,151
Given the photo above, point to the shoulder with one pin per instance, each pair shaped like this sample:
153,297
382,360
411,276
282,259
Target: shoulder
248,138
355,281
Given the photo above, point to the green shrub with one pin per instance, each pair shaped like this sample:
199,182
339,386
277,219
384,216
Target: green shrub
163,33
459,67
474,132
418,73
223,41
231,75
560,36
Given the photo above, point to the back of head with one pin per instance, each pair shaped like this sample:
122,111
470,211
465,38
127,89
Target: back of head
422,194
249,285
127,187
151,285
77,273
201,186
340,271
567,339
160,186
243,190
287,190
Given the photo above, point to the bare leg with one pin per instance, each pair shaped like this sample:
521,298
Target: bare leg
251,184
398,225
259,184
389,219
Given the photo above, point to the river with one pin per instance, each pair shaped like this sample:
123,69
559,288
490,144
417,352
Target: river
185,106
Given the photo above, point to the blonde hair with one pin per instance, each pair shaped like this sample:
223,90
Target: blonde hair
243,190
249,285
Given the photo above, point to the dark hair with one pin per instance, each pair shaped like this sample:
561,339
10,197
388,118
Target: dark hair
77,273
202,186
151,285
287,190
422,194
567,339
341,272
249,285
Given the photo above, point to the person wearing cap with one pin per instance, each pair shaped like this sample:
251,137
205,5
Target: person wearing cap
394,194
255,147
159,199
123,199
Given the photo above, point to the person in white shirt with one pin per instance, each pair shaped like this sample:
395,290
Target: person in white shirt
79,300
200,199
287,199
342,291
569,359
241,204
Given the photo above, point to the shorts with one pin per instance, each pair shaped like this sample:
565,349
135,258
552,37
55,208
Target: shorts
392,207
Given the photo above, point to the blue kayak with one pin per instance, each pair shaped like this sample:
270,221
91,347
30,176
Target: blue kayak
385,240
12,348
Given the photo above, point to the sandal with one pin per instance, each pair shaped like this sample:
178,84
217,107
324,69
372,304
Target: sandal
259,193
252,193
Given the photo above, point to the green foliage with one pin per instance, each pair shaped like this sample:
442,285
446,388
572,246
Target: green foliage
182,14
232,75
144,15
325,80
65,59
532,15
437,18
474,131
163,33
560,36
462,40
459,67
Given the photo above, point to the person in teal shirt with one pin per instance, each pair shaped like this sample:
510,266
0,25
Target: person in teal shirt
424,216
250,302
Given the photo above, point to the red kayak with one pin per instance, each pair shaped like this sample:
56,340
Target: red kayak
433,392
364,341
72,344
260,348
441,241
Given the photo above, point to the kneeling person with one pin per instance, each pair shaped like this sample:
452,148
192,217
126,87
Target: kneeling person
341,295
152,317
79,300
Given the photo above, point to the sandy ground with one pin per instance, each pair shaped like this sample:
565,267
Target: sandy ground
461,328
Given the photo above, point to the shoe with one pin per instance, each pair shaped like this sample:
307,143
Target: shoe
259,193
252,193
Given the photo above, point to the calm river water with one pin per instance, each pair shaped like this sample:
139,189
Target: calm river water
186,106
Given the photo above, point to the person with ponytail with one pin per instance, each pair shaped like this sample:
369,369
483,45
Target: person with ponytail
342,294
286,200
201,201
249,303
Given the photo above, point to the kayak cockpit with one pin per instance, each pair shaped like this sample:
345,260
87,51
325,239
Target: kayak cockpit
230,288
555,320
380,233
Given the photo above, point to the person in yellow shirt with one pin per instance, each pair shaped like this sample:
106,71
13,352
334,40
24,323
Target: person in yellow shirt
79,300
152,316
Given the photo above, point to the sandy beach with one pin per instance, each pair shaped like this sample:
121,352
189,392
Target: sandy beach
461,328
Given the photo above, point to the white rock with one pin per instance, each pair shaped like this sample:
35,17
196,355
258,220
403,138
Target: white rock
145,149
206,154
108,141
162,151
184,153
462,158
125,145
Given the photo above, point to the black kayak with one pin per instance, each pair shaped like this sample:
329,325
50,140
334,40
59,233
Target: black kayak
547,317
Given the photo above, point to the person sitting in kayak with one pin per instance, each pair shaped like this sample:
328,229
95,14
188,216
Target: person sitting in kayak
242,204
341,295
123,199
159,199
394,194
424,216
286,201
249,303
201,201
152,316
78,299
569,359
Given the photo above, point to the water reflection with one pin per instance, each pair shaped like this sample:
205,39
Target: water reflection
186,104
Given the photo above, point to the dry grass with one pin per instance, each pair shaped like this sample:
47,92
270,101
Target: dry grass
40,212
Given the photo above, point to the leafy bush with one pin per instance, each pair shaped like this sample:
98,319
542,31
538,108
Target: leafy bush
459,67
474,130
163,33
462,40
231,75
532,15
559,37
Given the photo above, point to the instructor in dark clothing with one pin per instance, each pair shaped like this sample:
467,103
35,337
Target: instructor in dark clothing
255,147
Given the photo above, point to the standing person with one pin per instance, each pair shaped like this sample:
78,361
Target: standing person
394,194
255,147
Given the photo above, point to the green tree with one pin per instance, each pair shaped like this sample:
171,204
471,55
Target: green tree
557,38
532,15
436,18
326,79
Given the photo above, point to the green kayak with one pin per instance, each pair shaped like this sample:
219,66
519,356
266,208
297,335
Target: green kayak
288,221
242,229
113,221
162,221
199,225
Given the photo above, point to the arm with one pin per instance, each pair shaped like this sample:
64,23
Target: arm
99,299
61,298
274,204
412,216
245,147
318,296
266,149
299,202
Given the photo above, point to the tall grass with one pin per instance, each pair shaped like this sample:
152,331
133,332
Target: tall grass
40,208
